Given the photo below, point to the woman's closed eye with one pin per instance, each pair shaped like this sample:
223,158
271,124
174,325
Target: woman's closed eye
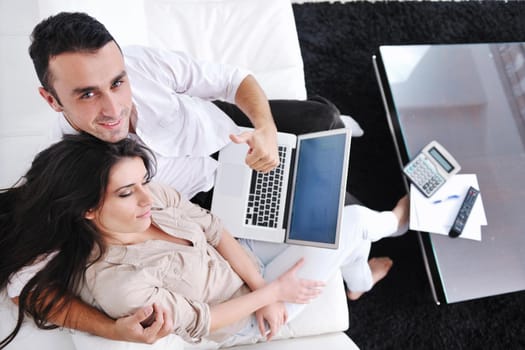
128,192
125,194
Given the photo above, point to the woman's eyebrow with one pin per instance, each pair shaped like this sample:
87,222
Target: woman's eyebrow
123,187
131,184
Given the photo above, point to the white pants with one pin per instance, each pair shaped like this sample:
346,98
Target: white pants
360,227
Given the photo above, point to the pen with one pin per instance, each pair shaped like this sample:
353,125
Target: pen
453,196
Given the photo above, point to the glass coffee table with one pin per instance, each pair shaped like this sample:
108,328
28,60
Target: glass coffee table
471,99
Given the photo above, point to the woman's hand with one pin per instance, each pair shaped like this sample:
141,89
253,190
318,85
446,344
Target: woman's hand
291,289
296,290
287,288
275,315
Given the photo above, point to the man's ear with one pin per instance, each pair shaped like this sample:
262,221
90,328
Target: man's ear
50,99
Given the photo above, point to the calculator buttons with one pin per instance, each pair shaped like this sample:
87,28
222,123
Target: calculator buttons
424,175
431,168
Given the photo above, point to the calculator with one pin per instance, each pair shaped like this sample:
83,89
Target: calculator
431,168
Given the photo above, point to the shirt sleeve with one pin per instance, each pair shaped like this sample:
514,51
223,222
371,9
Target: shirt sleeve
172,94
120,290
186,75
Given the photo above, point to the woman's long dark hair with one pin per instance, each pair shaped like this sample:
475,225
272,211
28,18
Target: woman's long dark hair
45,214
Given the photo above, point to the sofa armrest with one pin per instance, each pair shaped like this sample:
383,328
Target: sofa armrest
328,313
329,341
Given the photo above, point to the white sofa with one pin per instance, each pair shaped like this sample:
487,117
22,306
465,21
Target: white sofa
257,34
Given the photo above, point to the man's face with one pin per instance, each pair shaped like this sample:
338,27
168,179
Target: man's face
94,91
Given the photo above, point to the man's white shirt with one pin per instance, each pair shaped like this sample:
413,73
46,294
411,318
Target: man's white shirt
175,117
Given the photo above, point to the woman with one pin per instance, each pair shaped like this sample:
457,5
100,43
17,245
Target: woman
95,215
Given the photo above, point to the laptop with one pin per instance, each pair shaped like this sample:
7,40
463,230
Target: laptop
299,202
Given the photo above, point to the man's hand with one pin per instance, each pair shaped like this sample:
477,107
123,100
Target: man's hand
130,328
275,316
262,154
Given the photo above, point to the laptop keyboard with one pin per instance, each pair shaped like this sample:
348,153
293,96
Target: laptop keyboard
265,195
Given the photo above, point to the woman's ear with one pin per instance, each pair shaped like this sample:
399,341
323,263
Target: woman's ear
90,214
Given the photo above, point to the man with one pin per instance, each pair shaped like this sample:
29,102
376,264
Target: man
87,79
170,109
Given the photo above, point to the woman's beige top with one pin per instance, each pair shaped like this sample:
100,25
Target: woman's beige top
184,279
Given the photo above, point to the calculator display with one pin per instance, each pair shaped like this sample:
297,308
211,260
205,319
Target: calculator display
440,159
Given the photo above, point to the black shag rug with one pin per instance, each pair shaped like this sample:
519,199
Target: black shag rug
337,42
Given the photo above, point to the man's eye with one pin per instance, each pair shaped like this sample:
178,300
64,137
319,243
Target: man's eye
118,83
87,95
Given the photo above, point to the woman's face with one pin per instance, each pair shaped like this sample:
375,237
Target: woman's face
126,209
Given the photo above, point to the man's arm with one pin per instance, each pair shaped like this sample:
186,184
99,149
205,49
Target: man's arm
251,99
83,317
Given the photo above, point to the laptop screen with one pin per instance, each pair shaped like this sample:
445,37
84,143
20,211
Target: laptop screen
318,186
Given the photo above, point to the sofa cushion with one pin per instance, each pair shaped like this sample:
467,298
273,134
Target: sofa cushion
223,30
125,19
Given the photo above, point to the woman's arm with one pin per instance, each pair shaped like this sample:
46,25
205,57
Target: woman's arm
239,260
85,318
287,288
121,292
271,315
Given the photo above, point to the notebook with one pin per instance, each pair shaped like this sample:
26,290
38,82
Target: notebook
299,202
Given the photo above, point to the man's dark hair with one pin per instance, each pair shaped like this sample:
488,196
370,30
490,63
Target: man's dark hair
61,33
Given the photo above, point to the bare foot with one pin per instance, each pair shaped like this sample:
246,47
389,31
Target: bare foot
402,211
379,267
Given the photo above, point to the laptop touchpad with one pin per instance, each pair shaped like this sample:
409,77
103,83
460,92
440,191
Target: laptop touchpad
232,179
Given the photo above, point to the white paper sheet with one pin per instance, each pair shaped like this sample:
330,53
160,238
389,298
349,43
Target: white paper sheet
437,213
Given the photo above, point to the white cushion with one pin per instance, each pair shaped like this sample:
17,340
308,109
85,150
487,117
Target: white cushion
328,341
30,337
24,116
85,341
253,34
124,19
